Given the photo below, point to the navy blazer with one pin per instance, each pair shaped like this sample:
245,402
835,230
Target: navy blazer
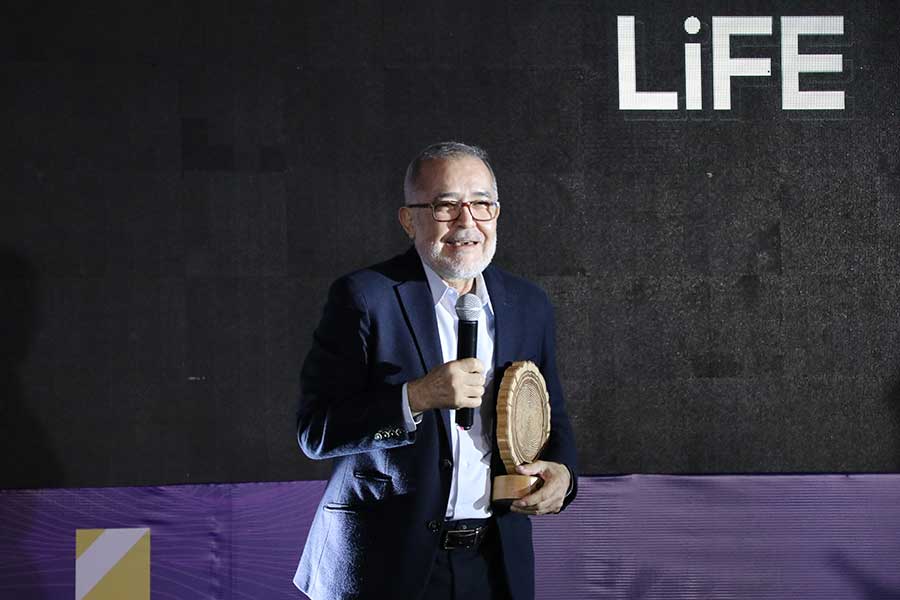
375,533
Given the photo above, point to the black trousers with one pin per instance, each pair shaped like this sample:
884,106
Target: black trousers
469,573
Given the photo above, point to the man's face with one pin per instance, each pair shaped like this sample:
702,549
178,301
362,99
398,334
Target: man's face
456,250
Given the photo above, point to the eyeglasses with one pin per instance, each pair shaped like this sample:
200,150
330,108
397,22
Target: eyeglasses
445,211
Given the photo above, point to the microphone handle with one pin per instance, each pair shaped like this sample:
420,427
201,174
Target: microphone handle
466,347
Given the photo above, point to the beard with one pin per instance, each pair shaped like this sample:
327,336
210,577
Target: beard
459,268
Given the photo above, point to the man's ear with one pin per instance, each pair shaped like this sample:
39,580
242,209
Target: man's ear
405,216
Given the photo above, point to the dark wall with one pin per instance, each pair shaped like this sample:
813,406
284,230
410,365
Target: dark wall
182,184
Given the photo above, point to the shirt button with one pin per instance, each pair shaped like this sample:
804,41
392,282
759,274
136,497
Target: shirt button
433,526
447,464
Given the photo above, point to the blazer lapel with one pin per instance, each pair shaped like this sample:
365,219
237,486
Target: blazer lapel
418,309
504,321
505,328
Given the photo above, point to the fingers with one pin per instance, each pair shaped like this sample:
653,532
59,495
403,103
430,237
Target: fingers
467,371
550,496
547,500
455,384
473,379
469,396
469,365
535,468
467,380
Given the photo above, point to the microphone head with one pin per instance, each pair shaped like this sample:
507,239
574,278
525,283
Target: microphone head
468,307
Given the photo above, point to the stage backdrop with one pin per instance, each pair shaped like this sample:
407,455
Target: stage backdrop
708,191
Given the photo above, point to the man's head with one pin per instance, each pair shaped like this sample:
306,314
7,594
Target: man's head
446,173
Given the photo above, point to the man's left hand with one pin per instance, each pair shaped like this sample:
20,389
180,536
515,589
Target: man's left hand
549,497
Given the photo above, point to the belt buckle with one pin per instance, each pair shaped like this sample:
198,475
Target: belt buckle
461,538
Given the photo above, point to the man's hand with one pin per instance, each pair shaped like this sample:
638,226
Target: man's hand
456,384
549,497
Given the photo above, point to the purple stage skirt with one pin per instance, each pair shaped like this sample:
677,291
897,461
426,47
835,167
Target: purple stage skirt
641,536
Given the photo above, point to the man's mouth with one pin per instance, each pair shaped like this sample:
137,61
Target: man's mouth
461,243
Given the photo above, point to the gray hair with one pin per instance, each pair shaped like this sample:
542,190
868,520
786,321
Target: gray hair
443,151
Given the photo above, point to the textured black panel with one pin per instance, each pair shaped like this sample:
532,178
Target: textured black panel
182,183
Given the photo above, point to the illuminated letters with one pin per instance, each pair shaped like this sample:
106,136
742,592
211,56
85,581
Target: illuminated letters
793,63
629,97
693,76
725,66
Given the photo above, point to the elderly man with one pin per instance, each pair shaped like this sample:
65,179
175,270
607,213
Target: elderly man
407,511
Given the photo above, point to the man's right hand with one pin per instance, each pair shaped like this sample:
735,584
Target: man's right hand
456,384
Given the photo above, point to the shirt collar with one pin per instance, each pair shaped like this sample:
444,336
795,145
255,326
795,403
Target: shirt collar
441,291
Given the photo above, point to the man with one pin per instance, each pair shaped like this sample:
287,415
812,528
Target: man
407,512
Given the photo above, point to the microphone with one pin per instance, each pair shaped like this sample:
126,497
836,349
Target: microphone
468,309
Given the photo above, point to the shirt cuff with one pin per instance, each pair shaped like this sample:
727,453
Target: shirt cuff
409,420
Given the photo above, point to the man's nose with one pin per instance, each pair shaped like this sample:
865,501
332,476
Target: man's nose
465,218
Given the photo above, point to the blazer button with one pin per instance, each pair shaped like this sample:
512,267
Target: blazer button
433,526
447,464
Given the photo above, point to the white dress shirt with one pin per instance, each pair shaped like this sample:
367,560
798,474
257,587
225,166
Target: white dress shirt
470,487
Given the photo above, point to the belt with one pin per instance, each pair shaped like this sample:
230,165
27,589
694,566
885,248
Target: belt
465,533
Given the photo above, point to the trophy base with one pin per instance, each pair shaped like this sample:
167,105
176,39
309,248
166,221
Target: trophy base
508,488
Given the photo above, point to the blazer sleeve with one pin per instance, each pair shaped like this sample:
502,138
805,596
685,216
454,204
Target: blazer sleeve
560,446
345,408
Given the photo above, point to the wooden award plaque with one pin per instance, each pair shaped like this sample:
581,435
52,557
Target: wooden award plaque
523,427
